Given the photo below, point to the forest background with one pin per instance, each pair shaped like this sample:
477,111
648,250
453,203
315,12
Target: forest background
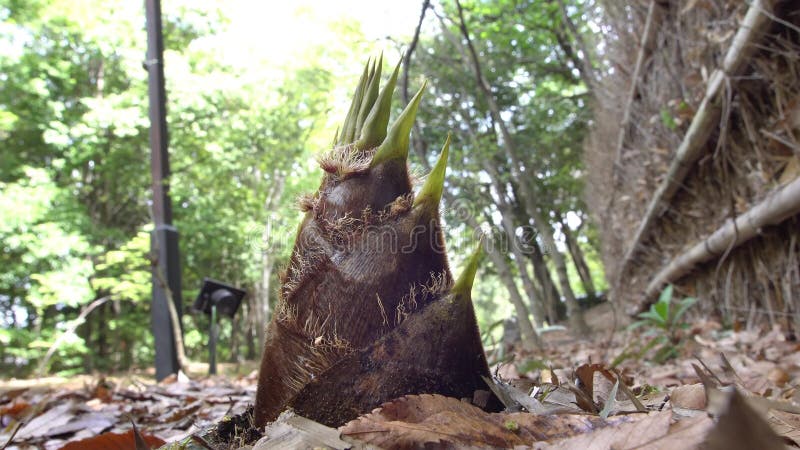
253,99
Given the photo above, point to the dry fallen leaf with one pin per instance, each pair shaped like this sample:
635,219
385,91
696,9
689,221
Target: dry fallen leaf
417,421
14,409
786,425
684,434
113,441
691,396
292,431
55,417
626,436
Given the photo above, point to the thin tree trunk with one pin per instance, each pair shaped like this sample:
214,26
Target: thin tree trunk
544,228
236,333
251,352
87,330
101,345
261,306
507,215
534,297
579,259
417,143
529,336
118,340
507,218
585,64
411,47
552,297
260,303
128,343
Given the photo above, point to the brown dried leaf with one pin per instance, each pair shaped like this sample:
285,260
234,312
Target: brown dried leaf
173,415
14,409
113,441
691,396
11,394
786,425
417,421
778,376
293,431
602,388
684,434
54,417
626,436
94,423
586,374
429,419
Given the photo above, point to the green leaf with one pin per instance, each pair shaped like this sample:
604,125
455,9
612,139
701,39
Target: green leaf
685,304
666,294
654,317
638,324
532,364
667,120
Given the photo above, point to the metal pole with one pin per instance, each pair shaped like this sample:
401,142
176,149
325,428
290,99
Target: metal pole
164,239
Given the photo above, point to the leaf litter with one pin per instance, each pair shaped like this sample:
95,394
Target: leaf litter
725,389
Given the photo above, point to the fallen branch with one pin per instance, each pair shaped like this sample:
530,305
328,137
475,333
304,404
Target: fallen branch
70,331
694,142
779,205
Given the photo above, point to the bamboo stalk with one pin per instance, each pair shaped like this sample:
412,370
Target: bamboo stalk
692,147
779,205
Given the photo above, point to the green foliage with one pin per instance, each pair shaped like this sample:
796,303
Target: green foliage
667,120
75,171
526,60
663,316
663,323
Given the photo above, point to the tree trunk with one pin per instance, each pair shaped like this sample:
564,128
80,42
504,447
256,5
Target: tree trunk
552,297
236,333
507,216
528,332
579,259
529,200
117,350
260,304
251,341
534,296
584,64
86,332
101,345
529,336
574,312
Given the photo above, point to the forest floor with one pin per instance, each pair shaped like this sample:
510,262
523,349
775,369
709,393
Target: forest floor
680,402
